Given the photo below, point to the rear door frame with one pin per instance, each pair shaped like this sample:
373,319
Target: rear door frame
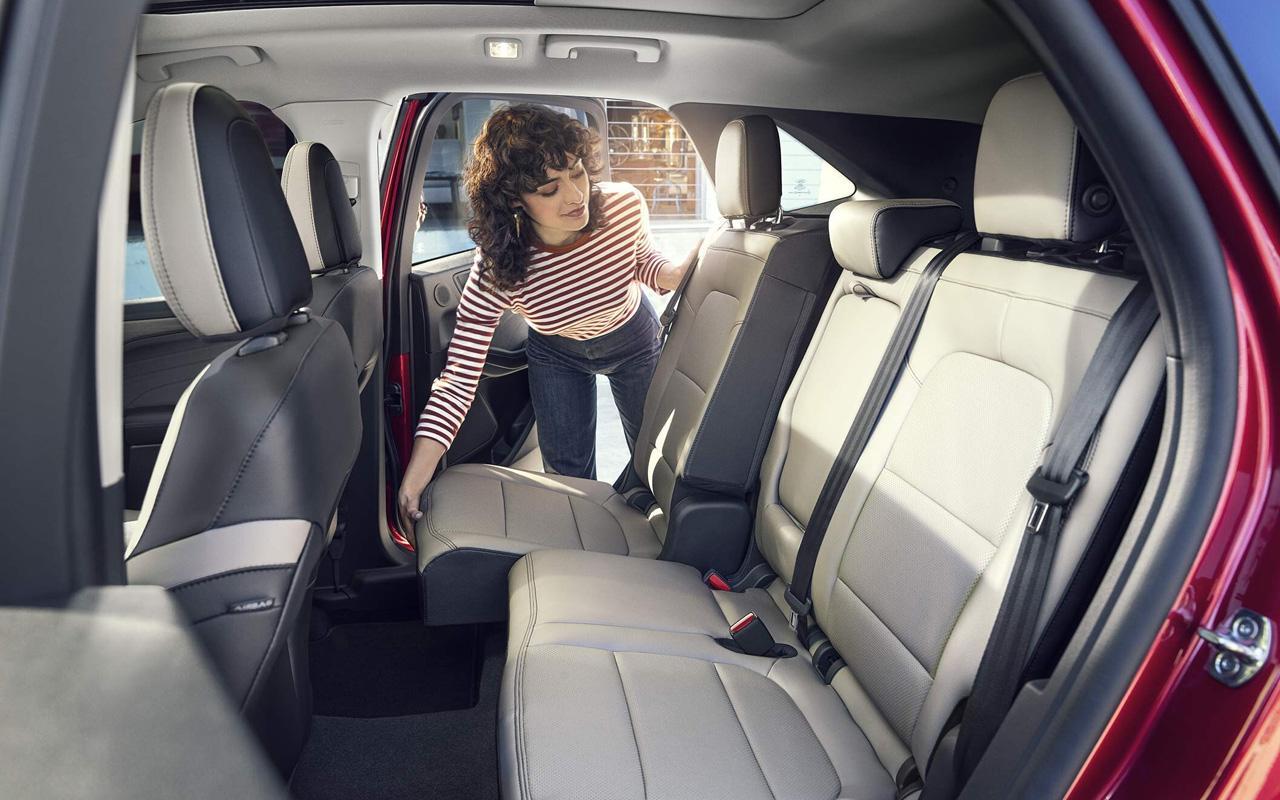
404,169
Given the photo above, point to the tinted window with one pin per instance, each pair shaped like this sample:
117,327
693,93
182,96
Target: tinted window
807,179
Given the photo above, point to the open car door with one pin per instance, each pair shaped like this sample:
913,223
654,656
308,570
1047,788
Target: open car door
428,256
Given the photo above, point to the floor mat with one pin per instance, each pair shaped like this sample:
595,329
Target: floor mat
386,669
443,754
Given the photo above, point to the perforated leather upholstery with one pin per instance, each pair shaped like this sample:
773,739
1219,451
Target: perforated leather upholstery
908,579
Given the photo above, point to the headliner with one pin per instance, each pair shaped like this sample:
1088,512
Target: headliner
942,59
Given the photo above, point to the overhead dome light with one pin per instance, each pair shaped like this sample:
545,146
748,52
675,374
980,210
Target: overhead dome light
502,48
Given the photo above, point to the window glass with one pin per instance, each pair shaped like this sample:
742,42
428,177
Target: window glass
650,150
1249,28
645,147
444,211
807,179
139,281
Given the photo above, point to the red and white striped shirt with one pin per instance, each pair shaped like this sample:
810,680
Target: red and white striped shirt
580,291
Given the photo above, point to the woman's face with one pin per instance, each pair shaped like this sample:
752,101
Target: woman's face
559,206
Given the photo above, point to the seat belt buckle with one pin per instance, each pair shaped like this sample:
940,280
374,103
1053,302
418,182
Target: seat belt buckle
751,635
1049,493
799,609
716,581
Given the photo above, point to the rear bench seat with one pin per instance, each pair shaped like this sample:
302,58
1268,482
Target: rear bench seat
614,684
741,329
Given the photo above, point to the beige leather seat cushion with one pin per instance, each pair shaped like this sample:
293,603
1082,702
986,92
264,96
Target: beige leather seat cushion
497,508
658,708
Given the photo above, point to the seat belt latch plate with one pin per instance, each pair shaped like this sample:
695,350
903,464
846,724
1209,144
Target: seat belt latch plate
1049,493
799,609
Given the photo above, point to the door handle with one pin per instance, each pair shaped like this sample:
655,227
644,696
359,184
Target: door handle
647,51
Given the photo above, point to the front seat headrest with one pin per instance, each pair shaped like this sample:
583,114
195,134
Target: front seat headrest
222,243
1035,179
749,168
317,196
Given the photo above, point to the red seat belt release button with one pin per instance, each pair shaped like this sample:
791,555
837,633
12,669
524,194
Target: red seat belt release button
713,579
751,635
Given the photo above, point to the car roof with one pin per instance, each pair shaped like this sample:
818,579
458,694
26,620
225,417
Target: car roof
941,60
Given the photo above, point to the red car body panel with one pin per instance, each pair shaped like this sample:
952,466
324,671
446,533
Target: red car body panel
1178,732
400,365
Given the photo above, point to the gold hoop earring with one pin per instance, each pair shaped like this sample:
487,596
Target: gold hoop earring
516,217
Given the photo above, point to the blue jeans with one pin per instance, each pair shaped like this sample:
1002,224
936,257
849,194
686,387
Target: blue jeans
562,383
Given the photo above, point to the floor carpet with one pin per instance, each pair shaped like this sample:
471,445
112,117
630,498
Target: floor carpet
445,753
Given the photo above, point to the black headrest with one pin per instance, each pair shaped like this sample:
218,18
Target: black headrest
222,241
317,197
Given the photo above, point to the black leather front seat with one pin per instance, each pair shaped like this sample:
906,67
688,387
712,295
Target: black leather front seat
341,289
260,444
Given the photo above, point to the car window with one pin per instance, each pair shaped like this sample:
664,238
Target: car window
1249,29
807,178
645,147
139,281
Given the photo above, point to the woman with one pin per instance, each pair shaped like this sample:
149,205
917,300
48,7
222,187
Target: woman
569,255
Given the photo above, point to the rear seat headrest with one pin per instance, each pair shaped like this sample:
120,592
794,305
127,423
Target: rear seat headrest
222,242
874,237
317,196
749,168
1035,179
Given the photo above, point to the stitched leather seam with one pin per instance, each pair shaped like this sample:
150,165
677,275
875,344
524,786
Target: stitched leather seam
715,669
626,702
1017,296
576,529
1071,185
431,529
248,222
522,762
229,574
248,457
162,270
311,206
736,331
204,212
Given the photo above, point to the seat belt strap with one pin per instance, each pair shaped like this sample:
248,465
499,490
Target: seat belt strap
878,393
1053,487
669,314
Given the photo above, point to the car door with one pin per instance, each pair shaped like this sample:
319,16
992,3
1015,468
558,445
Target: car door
499,428
160,357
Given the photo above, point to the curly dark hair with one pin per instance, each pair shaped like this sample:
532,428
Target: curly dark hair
511,157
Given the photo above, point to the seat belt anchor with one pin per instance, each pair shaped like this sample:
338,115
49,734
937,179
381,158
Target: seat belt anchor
799,608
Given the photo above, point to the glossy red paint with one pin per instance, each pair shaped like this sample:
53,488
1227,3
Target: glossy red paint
399,366
1177,732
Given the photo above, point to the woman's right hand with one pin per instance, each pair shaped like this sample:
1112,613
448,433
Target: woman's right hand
422,467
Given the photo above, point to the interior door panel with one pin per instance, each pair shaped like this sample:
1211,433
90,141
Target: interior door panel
500,417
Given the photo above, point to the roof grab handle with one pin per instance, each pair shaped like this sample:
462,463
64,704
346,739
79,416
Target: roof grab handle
647,51
154,67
